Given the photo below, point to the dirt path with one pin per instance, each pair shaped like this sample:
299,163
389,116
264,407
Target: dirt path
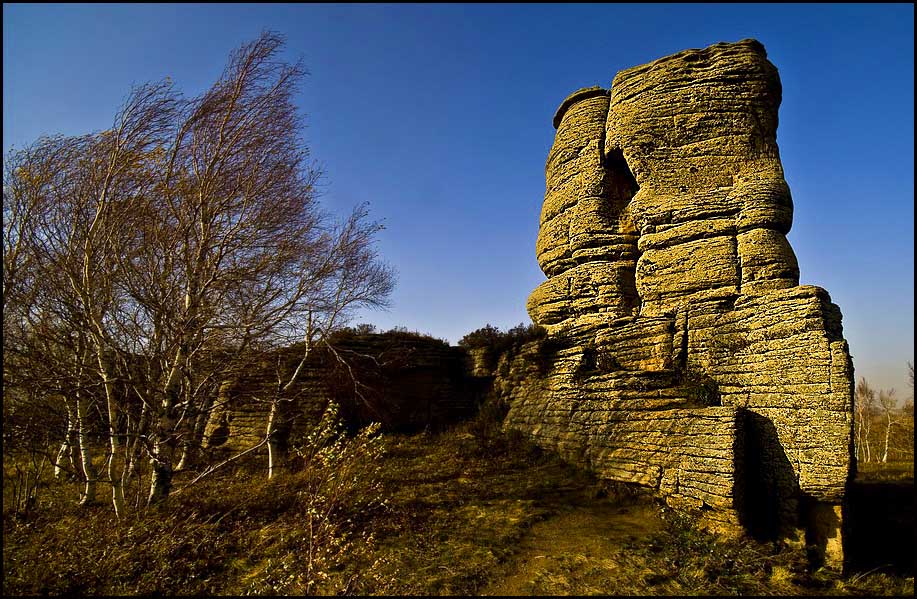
581,551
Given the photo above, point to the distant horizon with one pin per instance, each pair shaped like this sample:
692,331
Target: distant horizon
440,117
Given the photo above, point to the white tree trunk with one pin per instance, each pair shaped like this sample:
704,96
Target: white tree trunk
273,449
82,408
161,481
859,442
136,443
278,421
278,436
164,444
67,455
116,454
888,428
194,434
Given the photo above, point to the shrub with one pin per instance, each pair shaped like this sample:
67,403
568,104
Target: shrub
491,337
496,343
487,426
700,389
343,484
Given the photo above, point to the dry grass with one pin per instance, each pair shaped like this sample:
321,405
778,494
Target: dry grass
887,472
453,513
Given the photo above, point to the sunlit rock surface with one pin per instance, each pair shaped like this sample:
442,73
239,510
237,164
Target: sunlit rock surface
682,352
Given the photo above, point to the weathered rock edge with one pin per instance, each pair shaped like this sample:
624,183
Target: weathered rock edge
682,353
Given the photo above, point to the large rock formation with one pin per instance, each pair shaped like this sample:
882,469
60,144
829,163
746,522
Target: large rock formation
684,355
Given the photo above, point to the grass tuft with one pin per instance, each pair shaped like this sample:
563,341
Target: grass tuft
468,511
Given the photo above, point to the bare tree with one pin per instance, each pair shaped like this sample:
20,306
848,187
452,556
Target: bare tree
888,407
883,429
45,337
164,256
354,278
864,408
904,441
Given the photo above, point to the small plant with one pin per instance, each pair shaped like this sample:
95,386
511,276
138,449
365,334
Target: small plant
487,426
26,482
698,562
606,362
700,389
343,482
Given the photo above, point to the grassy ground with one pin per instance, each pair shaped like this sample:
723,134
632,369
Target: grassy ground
439,514
887,472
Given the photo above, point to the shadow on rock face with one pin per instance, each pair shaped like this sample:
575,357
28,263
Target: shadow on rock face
766,481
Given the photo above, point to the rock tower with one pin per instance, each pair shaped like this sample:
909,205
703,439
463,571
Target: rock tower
682,353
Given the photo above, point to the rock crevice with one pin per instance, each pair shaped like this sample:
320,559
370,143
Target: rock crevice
695,364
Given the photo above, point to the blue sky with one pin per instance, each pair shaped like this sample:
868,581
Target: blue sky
439,116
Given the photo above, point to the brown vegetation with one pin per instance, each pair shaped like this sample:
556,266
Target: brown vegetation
884,431
148,266
462,512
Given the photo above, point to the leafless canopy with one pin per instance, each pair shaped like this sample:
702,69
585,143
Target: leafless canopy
144,264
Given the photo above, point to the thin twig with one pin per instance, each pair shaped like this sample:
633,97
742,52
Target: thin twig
213,469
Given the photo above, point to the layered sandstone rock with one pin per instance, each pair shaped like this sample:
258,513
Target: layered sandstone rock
682,353
406,382
587,256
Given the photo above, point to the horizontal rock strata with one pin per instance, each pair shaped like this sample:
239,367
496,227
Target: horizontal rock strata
682,354
406,383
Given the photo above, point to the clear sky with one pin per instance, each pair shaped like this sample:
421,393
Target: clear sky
440,117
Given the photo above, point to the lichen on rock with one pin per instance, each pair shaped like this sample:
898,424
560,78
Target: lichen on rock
695,363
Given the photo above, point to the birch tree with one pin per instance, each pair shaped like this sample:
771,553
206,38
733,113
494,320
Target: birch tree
864,407
45,333
888,409
164,255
